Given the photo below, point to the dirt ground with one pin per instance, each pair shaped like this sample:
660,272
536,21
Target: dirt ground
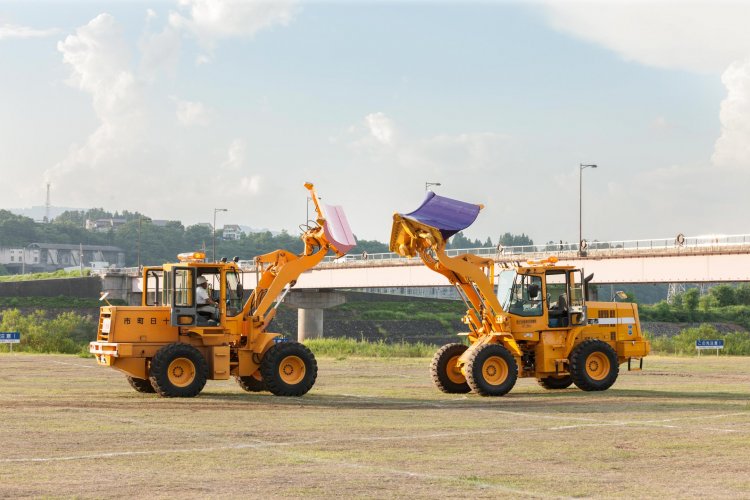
375,429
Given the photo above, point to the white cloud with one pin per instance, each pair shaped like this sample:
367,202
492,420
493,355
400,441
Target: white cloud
15,31
700,36
99,62
151,15
732,149
696,36
212,20
660,123
249,185
160,51
235,155
381,127
470,151
236,162
190,113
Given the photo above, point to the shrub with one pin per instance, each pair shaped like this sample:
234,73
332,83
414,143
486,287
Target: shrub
735,343
342,347
67,333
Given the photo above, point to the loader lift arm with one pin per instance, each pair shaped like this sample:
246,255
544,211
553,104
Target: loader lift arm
278,270
424,232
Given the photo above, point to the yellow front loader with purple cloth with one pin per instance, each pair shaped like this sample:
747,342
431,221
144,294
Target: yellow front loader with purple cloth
171,345
529,320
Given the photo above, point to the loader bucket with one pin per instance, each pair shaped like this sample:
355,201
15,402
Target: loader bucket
437,219
447,215
337,229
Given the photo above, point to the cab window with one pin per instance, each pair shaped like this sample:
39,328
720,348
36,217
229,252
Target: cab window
234,293
526,297
183,288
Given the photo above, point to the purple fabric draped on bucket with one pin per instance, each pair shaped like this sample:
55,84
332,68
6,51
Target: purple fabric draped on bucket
445,214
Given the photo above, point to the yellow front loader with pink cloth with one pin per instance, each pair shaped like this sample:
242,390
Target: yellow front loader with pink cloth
171,344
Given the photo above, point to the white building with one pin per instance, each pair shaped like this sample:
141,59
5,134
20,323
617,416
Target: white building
232,232
44,257
104,225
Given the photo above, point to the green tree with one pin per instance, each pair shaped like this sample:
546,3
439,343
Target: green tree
707,302
459,240
724,295
16,230
742,294
692,299
678,301
515,240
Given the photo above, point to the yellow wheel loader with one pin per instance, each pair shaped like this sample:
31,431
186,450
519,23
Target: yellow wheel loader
196,322
529,320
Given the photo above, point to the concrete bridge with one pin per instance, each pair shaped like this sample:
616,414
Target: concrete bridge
700,259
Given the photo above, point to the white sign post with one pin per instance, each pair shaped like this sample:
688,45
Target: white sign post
702,344
10,338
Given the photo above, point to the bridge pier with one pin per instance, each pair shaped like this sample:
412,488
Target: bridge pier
310,305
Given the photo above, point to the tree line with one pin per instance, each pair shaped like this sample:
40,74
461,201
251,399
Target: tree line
721,303
152,244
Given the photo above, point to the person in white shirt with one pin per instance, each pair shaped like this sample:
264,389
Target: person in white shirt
203,301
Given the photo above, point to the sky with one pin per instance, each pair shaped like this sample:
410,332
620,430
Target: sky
176,108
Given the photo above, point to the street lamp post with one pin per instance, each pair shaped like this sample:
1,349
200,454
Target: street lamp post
428,184
582,166
140,219
214,235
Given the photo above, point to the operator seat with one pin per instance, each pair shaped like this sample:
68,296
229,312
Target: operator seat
558,312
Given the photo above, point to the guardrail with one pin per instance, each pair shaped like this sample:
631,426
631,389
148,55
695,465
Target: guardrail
618,248
681,245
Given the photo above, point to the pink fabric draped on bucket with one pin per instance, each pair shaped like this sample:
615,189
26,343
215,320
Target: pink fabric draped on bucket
337,229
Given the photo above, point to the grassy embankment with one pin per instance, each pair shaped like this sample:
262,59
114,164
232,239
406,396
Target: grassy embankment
44,276
70,332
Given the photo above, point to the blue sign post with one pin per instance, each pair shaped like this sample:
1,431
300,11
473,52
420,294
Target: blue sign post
10,338
701,344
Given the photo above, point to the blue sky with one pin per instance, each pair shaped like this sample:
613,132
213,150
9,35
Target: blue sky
176,108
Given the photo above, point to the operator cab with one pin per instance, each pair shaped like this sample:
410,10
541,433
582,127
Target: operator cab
179,287
554,292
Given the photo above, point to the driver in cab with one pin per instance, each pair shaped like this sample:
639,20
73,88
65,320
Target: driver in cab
203,300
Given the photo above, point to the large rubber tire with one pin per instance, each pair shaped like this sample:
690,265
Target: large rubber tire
178,371
553,382
445,374
251,383
289,369
593,365
491,370
141,384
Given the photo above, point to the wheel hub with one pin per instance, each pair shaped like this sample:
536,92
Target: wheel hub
181,372
292,370
495,370
597,366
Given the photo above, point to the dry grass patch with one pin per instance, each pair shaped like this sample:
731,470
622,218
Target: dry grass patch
375,428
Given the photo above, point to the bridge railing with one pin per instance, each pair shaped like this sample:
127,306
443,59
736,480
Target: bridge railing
663,246
617,248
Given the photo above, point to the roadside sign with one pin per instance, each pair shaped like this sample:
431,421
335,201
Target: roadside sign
10,337
709,344
702,344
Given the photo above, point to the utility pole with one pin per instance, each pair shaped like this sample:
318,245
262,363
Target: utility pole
580,205
214,235
139,242
47,206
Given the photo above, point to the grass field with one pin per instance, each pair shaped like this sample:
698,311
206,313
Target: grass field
375,428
